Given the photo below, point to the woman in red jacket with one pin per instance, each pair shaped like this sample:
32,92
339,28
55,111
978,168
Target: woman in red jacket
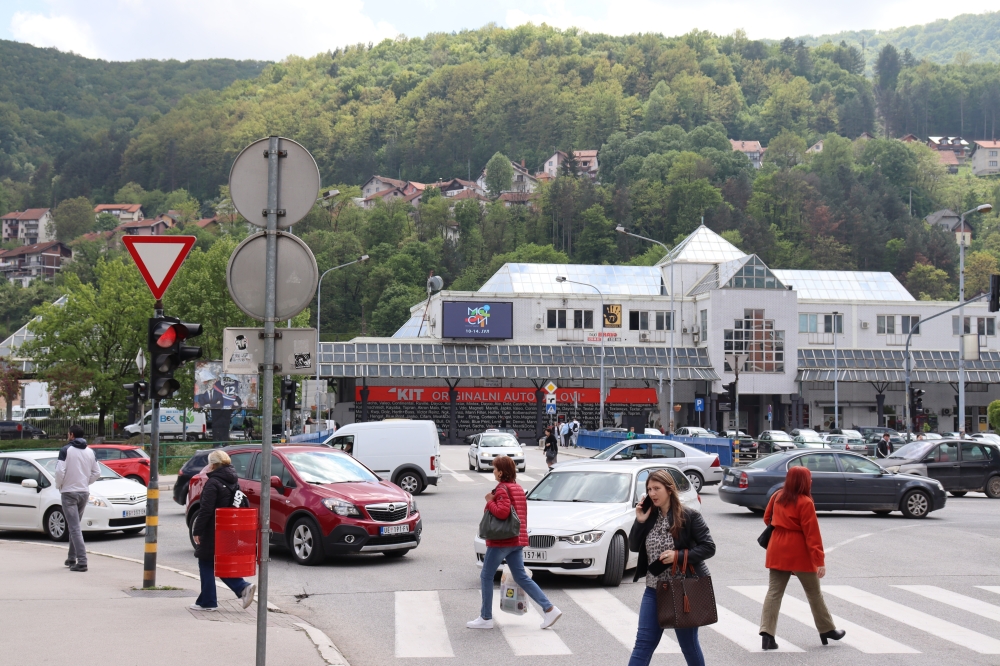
508,494
796,546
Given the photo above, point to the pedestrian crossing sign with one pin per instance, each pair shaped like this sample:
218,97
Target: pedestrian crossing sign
550,409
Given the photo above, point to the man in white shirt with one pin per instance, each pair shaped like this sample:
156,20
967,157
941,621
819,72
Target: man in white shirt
76,469
564,433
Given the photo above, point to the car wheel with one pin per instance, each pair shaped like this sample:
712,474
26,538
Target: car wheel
395,554
472,467
993,487
306,542
132,531
137,479
958,493
881,513
916,504
758,512
410,482
521,470
191,530
479,468
696,480
55,524
614,568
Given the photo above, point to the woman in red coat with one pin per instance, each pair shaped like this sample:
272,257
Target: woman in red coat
796,546
499,502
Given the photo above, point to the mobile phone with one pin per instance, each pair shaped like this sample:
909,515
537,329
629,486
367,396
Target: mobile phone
647,503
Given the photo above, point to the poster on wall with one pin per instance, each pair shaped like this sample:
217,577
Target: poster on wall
483,320
215,389
612,315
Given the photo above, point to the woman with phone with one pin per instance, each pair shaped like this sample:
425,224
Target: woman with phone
663,526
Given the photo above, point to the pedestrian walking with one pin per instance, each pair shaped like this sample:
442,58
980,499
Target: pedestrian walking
503,422
551,448
76,469
631,433
664,528
795,546
506,497
219,493
884,447
564,433
575,432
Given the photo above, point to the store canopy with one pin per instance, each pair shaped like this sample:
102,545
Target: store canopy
882,365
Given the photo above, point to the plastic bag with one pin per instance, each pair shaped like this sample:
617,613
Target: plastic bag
513,599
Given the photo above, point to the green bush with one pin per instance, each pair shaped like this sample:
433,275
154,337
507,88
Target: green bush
993,411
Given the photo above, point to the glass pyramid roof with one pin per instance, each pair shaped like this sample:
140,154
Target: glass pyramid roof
844,285
541,279
703,246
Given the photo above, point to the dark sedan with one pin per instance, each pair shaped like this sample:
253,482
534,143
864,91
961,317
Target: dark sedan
961,466
20,430
841,481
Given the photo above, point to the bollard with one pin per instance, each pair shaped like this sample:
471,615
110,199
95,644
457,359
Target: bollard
236,540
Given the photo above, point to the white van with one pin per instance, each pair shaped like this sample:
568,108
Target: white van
407,453
172,424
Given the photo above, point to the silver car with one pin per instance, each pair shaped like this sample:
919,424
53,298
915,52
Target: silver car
489,445
701,468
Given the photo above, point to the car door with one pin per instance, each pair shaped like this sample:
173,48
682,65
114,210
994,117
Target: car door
113,459
667,451
282,502
473,452
977,460
250,478
20,504
944,465
828,485
866,486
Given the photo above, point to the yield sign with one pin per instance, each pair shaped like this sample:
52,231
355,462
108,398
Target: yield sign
158,258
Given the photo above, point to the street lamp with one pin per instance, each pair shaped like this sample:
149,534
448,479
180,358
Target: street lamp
836,396
319,291
982,208
673,324
600,332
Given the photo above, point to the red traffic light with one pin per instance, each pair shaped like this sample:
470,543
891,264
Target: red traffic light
167,338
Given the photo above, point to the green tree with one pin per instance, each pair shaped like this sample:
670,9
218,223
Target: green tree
993,414
393,309
130,193
928,283
10,386
596,244
499,174
785,150
979,266
72,218
106,222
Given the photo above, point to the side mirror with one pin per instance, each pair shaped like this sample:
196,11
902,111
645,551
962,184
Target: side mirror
29,483
276,483
617,456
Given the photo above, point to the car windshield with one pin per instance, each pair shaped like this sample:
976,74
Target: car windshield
912,451
497,441
322,467
778,436
50,466
597,487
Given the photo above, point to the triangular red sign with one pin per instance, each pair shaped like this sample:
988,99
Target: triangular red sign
158,258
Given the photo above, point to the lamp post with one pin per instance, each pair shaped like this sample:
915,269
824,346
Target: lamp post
983,208
673,324
600,332
319,291
836,372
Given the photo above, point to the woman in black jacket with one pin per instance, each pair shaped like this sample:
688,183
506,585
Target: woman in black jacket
662,528
218,493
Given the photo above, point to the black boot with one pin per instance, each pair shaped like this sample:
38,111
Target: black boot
835,634
767,641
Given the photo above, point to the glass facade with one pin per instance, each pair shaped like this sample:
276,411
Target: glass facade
755,336
844,285
754,275
609,280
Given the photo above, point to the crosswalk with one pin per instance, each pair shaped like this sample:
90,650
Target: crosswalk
462,476
426,629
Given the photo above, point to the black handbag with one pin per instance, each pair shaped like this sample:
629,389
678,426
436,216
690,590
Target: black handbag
492,528
765,537
687,601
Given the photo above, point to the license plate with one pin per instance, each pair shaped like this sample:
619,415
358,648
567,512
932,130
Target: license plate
132,513
730,476
530,555
394,529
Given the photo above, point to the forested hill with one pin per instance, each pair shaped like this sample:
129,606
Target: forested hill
977,35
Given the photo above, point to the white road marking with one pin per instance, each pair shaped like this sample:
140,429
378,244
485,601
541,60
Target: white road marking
990,588
746,634
618,619
948,631
462,478
525,477
959,601
523,634
857,636
420,627
844,543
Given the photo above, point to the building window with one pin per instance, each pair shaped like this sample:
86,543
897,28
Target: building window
756,337
993,163
828,323
639,320
754,275
885,325
556,319
704,325
807,323
993,153
583,319
911,323
982,325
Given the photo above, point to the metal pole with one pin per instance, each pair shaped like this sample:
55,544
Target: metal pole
673,327
961,329
319,292
152,496
601,333
736,371
836,373
271,260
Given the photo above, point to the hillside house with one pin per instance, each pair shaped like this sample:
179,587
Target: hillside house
27,227
394,194
522,181
154,227
955,144
586,163
985,158
949,160
815,148
208,222
124,212
30,262
456,186
377,184
951,222
910,138
752,149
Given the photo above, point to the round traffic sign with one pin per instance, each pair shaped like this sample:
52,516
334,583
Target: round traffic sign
298,182
295,282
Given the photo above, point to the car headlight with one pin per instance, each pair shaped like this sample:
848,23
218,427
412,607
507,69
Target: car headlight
939,484
340,507
98,501
892,469
413,505
583,537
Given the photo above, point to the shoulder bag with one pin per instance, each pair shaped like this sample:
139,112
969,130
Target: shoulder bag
765,536
686,601
492,528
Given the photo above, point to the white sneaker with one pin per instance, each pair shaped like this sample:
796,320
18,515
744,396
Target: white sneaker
247,595
200,608
480,623
550,617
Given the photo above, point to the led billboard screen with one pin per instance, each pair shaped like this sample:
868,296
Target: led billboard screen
488,320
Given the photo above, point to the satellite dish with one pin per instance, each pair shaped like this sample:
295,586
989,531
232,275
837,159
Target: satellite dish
434,283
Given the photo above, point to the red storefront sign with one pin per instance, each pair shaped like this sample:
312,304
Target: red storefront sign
504,395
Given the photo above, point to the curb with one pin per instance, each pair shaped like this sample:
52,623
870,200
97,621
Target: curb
327,650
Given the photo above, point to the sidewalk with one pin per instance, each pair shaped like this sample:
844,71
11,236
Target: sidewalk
51,615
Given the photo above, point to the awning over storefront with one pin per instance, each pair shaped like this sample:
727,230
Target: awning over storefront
881,365
390,360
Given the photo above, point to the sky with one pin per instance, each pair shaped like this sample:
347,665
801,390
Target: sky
190,29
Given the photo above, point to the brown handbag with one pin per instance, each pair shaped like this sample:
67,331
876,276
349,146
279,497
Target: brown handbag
686,601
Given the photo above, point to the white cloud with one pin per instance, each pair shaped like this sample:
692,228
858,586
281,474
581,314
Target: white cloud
61,32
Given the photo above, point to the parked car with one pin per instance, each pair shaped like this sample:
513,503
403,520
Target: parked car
656,431
692,431
808,439
846,443
868,431
323,502
492,444
896,441
805,432
774,440
841,481
961,466
408,453
128,460
20,430
580,516
701,468
990,437
190,468
32,503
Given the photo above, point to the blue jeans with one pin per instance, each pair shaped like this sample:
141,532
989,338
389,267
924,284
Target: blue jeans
208,598
648,636
515,560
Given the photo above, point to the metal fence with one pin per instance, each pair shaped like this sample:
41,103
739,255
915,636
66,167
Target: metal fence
589,439
58,427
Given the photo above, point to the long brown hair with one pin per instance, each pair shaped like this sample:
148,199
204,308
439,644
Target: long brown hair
506,467
798,483
663,477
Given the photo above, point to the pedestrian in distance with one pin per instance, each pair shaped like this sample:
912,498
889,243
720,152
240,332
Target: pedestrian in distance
551,448
564,433
76,469
631,433
795,546
884,448
575,432
506,497
219,493
503,422
663,529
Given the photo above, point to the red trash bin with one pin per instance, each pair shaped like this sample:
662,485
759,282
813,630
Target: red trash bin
236,534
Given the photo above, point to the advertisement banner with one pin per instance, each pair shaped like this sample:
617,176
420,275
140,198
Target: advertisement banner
481,320
612,315
215,389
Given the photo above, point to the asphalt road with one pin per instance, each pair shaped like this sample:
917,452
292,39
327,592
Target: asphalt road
375,608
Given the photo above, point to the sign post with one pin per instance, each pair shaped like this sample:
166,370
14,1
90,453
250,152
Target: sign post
736,362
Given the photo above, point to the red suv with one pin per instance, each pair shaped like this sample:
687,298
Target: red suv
128,460
323,502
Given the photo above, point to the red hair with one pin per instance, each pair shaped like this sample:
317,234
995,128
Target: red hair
798,483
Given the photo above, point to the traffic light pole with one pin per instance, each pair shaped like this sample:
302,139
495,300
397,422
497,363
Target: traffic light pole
153,489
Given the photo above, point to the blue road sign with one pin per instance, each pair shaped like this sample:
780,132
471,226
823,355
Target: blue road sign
699,404
550,409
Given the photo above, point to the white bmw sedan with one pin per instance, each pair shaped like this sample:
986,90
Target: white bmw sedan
580,514
29,500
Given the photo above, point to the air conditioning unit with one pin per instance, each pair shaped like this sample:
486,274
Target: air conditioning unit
644,337
684,330
945,411
538,326
864,325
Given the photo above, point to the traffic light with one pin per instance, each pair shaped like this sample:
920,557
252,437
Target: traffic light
287,394
138,390
918,401
730,390
168,352
995,293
